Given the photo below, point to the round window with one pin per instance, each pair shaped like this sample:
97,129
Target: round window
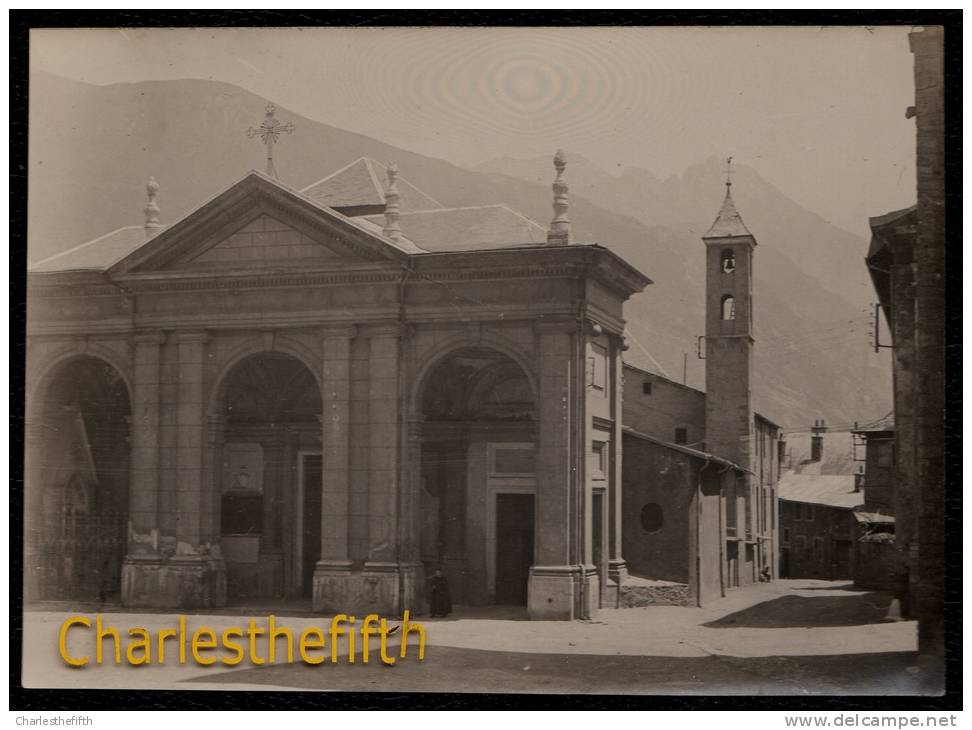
652,517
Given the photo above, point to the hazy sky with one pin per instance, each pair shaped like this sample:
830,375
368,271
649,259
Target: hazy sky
819,112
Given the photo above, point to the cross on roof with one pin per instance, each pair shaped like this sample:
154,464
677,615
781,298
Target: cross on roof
269,131
729,171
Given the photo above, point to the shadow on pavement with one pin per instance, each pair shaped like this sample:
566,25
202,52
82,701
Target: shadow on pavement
447,669
809,611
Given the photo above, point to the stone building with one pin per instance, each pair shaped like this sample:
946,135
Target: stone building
701,468
907,265
821,491
328,393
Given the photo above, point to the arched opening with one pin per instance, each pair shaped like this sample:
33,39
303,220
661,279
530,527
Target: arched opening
478,499
269,477
78,476
728,261
728,307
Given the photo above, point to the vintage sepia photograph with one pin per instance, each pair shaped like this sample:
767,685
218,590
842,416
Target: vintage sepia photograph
572,360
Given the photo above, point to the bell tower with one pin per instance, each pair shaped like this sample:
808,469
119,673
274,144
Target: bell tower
729,250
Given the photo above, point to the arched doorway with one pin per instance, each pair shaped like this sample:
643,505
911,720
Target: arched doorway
269,477
479,413
78,473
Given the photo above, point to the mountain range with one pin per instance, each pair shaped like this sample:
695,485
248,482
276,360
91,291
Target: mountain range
92,148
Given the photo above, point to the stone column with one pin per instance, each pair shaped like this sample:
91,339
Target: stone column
141,565
213,478
617,567
144,489
555,581
333,570
197,572
381,572
410,534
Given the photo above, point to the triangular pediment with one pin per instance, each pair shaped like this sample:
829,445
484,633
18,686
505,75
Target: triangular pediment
261,223
264,241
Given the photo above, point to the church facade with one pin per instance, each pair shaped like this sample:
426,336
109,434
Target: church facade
326,395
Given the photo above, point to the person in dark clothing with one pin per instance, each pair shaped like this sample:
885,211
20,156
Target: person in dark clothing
440,601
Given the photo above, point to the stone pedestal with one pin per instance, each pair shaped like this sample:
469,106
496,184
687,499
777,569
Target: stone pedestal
178,582
562,592
383,588
617,575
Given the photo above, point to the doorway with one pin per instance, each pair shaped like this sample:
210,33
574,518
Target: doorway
514,547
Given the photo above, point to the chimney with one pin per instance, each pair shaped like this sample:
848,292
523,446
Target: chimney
816,441
152,225
559,232
392,228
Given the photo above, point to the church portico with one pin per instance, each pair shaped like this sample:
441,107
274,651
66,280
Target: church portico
322,409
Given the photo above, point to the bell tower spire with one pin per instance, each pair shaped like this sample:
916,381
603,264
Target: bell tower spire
729,248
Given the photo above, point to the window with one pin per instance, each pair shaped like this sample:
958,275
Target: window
597,364
646,387
652,517
800,546
681,435
599,466
808,512
786,535
728,261
731,508
728,307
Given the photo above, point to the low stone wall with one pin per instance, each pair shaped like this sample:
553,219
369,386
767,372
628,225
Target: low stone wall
650,593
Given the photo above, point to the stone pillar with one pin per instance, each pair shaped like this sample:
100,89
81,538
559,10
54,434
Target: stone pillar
142,560
617,567
143,498
557,580
333,570
381,570
197,575
410,534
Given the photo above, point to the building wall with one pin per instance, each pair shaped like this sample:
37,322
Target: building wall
927,44
818,541
667,407
655,475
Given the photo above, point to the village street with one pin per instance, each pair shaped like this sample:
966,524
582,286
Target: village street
787,637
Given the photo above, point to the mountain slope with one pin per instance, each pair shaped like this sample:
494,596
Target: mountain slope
92,149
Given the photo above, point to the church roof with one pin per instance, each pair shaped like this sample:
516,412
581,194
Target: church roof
468,229
362,183
97,254
728,223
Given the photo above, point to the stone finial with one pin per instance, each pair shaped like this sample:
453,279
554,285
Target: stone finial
559,232
392,228
152,225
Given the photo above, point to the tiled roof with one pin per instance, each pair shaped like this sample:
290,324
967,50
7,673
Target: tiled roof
362,183
468,229
837,457
885,423
728,223
103,252
833,490
95,255
688,451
